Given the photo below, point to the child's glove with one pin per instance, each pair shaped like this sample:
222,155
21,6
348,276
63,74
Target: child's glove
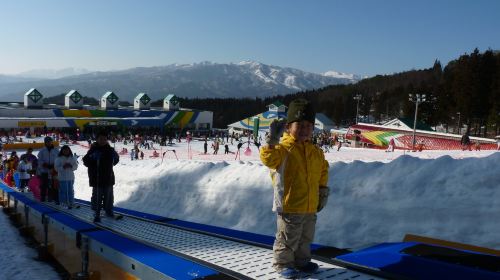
276,129
323,197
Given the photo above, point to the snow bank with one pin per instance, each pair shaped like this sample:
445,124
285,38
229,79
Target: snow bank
454,199
450,198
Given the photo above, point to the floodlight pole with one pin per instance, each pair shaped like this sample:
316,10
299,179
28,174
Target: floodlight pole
357,97
417,98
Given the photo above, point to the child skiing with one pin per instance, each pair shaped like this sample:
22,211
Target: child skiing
299,173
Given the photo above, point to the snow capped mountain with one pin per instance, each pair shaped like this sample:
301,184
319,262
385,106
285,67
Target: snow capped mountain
340,75
290,77
53,73
203,79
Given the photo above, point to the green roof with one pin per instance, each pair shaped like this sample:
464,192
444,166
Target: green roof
420,125
34,95
277,104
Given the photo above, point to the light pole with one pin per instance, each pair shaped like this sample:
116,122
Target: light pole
417,98
459,122
357,97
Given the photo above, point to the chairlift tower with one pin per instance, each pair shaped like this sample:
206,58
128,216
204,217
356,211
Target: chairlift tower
357,97
417,99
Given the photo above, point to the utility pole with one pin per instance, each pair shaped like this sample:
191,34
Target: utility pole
357,97
417,98
459,130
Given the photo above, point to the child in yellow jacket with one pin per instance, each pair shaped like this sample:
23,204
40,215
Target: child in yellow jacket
299,173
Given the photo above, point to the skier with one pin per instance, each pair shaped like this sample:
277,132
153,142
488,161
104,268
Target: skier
132,154
215,146
300,189
100,159
65,165
420,145
257,144
240,144
205,147
477,146
465,141
226,149
391,146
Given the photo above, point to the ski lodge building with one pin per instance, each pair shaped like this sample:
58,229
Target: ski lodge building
401,130
75,114
276,110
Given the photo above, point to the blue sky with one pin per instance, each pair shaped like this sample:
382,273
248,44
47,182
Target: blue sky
364,37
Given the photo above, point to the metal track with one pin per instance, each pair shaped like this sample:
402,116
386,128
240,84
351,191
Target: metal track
237,259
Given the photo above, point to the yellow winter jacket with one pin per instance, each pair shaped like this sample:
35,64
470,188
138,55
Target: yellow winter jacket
297,171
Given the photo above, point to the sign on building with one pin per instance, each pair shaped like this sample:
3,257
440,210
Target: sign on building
31,124
109,101
171,102
73,100
142,102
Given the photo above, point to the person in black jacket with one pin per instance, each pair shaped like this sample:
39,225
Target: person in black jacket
100,159
465,141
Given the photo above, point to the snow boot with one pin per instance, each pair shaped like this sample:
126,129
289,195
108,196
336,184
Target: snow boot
289,273
309,268
114,216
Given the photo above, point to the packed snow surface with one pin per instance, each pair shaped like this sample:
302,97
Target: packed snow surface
17,260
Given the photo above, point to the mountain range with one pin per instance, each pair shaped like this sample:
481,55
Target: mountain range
205,79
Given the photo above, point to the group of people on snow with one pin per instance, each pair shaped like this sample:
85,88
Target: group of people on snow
54,169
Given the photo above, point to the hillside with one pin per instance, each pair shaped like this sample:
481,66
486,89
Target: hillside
201,80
